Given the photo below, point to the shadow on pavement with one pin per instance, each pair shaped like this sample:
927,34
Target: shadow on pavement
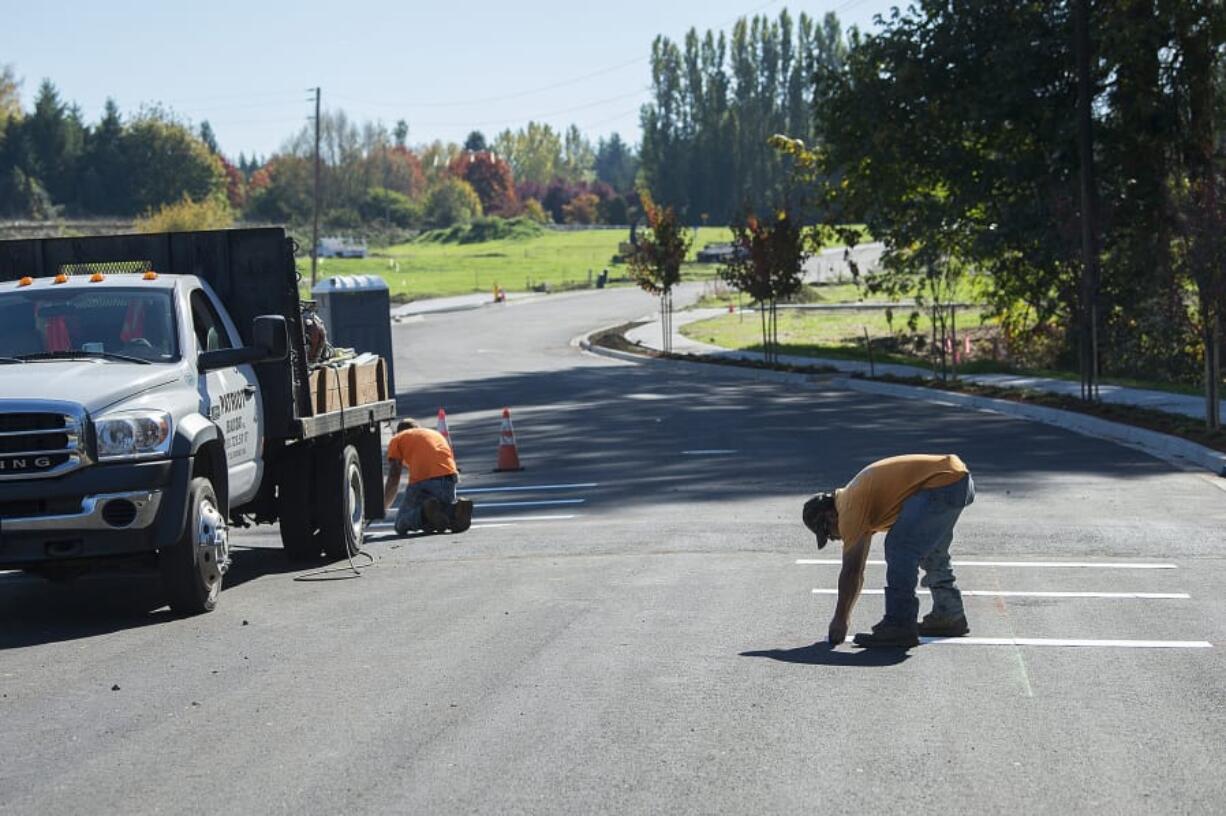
35,611
627,427
822,653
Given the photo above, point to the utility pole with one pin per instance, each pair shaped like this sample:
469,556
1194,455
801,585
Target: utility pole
315,225
1089,231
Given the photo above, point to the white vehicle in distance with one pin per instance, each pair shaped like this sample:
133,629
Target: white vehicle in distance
340,248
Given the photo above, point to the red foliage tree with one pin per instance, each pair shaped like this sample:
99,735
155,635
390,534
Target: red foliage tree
236,184
401,171
491,177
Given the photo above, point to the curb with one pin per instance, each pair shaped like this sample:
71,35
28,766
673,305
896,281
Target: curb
1164,446
743,373
1169,448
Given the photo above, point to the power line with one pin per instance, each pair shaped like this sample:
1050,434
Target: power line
544,88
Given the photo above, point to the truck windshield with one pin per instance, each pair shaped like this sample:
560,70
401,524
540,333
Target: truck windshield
63,322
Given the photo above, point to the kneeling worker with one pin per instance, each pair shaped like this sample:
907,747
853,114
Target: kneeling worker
918,499
429,502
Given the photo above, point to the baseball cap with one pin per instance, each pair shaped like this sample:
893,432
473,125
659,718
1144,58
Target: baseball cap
816,516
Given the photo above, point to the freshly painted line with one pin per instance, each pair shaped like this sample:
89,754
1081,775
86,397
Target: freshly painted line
993,593
835,562
522,488
492,521
542,503
708,452
1070,642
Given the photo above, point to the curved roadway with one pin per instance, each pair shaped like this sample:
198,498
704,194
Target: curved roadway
632,633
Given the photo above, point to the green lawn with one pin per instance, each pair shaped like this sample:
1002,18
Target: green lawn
839,335
560,258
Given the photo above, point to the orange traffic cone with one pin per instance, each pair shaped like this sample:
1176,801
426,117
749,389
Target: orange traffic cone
508,453
441,426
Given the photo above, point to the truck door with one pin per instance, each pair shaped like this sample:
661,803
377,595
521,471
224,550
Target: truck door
230,397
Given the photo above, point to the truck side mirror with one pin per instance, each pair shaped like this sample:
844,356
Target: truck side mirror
271,337
271,334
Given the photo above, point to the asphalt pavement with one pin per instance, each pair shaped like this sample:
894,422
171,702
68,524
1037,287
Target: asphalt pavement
631,625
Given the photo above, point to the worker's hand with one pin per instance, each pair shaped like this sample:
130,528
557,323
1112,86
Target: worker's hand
838,631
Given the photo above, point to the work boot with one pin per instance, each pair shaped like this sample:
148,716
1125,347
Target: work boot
434,515
462,515
889,636
934,625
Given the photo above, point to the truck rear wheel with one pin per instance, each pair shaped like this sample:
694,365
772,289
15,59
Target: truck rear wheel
295,511
340,499
194,566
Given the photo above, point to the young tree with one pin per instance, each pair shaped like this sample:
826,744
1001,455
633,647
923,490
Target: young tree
655,264
767,265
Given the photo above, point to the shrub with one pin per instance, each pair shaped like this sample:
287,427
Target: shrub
533,211
390,207
452,202
581,209
186,215
484,229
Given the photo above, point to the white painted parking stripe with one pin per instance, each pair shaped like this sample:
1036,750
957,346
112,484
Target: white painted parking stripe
708,452
993,593
524,488
531,518
542,503
835,562
492,521
1068,642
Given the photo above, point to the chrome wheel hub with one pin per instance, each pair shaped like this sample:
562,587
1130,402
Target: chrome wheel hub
356,502
213,541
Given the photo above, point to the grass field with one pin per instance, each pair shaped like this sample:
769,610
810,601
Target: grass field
839,335
558,258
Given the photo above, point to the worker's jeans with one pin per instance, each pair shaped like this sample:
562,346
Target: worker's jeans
920,538
408,515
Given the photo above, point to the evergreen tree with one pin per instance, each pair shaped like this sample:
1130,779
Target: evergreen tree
105,179
209,138
475,142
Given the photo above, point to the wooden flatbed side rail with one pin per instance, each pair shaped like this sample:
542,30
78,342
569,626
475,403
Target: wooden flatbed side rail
357,417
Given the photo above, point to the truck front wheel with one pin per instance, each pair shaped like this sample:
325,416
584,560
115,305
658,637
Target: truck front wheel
194,566
341,501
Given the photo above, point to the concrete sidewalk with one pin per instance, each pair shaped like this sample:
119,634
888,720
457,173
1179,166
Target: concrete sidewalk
649,335
458,303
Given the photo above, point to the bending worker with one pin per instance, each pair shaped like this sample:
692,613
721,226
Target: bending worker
917,498
429,502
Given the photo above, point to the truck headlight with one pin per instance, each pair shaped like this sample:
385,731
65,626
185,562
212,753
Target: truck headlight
132,434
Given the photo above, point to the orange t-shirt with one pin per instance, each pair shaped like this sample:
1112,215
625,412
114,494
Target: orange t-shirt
872,501
424,452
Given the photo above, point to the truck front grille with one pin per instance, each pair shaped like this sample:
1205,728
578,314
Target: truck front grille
40,444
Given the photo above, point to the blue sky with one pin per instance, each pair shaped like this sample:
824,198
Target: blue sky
446,68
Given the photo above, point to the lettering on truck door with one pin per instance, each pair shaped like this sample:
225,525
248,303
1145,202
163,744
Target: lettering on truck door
230,397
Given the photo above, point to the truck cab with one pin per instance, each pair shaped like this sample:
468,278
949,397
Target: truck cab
139,422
